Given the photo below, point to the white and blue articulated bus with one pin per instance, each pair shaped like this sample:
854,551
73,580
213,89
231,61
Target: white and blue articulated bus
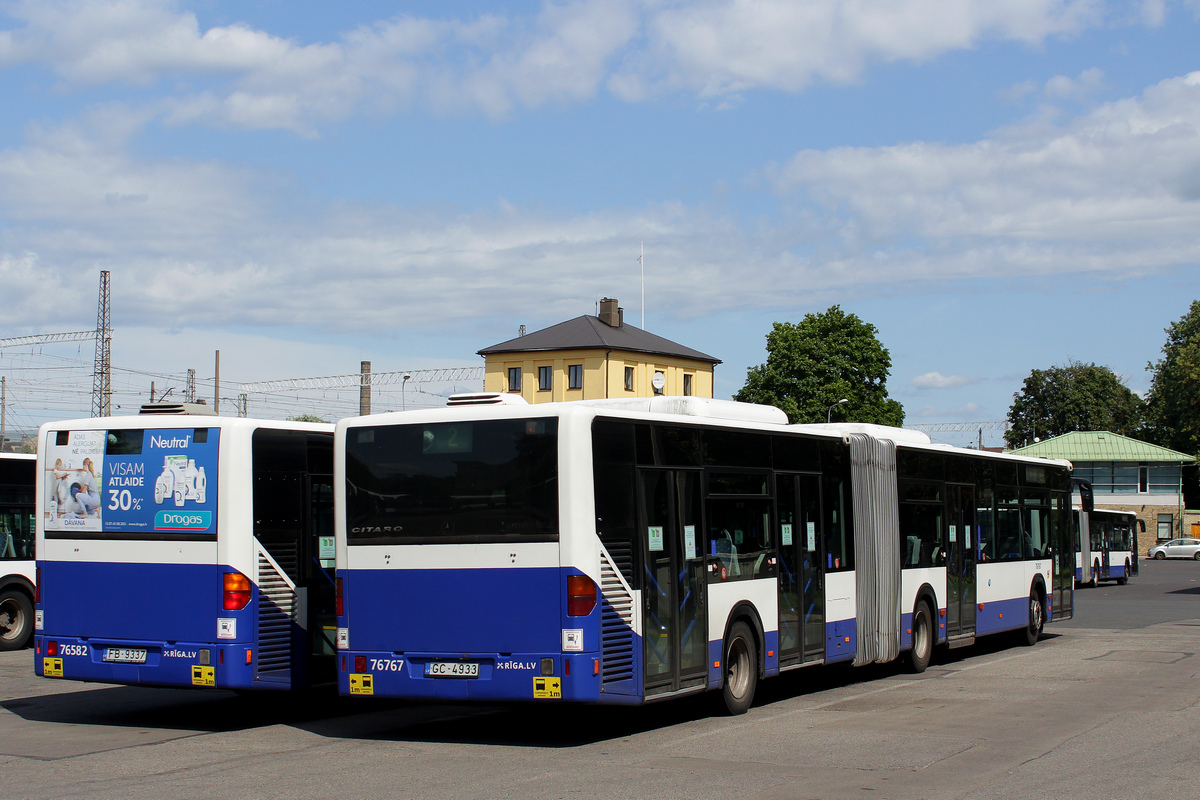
636,550
17,576
1106,546
186,550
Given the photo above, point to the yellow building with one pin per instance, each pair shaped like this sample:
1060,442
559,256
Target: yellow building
589,358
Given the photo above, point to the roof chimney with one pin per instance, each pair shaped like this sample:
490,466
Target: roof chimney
610,313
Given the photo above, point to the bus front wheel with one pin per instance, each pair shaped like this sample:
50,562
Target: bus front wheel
741,669
16,620
922,639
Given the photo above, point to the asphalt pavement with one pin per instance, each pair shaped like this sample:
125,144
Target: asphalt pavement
1106,705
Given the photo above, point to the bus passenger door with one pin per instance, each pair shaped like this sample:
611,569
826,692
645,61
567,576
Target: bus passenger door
801,595
674,631
319,579
960,562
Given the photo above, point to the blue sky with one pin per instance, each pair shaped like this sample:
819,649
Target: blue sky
996,186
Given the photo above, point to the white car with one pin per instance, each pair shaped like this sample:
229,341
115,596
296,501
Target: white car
1177,548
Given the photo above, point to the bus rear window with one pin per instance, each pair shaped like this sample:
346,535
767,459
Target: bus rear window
482,481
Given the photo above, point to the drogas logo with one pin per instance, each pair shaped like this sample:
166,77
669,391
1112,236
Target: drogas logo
182,520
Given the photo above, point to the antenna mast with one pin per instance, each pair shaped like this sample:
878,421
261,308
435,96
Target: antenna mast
102,373
642,262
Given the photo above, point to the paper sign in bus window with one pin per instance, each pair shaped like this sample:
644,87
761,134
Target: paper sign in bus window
812,536
954,533
655,533
689,541
786,533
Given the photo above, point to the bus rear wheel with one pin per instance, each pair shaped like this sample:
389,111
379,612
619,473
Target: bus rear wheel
16,620
1037,619
922,639
741,669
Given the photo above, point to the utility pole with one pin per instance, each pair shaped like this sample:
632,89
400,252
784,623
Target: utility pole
364,389
102,373
3,408
189,392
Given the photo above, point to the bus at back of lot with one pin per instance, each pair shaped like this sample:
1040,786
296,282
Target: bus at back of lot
1106,545
186,550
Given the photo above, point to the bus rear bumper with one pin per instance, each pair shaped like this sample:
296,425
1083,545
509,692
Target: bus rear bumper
144,663
487,677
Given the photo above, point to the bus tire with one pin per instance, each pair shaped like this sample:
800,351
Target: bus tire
16,620
922,639
1037,619
1095,574
741,669
1124,579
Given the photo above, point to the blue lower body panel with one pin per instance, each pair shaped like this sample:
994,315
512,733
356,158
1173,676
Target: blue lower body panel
499,678
506,628
194,664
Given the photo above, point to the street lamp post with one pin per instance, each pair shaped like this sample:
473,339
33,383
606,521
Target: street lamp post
402,384
829,413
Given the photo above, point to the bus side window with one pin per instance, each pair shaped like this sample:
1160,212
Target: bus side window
839,535
1008,525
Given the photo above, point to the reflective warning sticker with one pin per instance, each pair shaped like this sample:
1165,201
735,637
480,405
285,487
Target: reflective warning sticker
547,688
52,667
204,676
362,684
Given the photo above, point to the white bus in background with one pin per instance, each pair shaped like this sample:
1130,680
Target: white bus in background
636,550
186,550
17,572
1106,548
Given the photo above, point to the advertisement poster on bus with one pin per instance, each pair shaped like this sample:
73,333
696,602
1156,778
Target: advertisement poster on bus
152,481
73,468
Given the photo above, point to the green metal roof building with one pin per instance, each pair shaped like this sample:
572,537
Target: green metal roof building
1126,474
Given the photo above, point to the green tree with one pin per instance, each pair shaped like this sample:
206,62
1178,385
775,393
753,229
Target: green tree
817,362
1077,397
306,418
1174,398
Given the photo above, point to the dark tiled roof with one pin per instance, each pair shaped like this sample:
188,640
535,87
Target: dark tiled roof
589,333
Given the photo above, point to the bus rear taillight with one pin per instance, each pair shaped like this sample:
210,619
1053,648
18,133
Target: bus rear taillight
339,608
237,591
581,595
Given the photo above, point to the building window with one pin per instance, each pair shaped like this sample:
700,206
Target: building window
545,378
629,379
1143,480
687,385
1166,526
514,379
575,376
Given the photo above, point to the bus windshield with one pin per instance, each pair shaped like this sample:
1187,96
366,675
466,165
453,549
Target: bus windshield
484,481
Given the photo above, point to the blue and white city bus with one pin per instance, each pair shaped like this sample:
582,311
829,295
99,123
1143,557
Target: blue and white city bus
1106,547
186,550
17,576
634,550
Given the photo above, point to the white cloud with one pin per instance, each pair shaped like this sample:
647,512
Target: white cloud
936,380
1115,189
495,64
204,244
